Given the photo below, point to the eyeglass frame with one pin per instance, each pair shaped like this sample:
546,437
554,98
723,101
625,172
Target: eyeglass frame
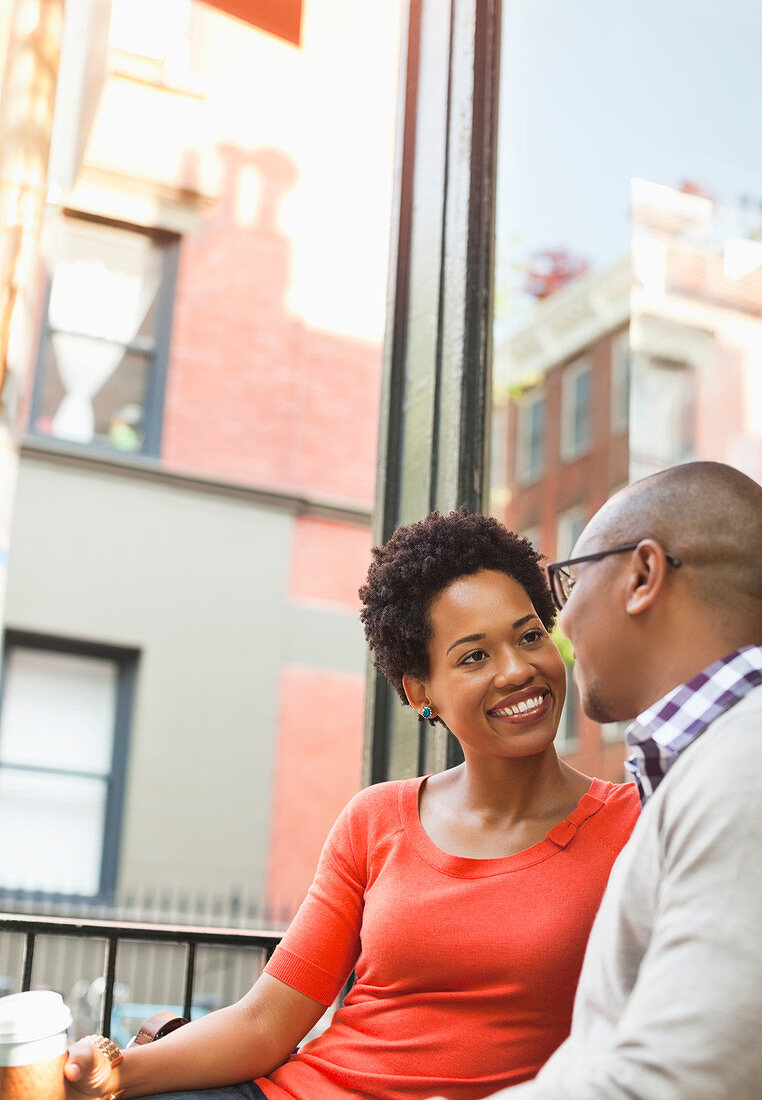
556,567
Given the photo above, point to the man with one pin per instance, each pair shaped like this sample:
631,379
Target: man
662,602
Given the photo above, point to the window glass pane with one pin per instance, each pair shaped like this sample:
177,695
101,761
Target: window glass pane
118,407
629,237
566,738
58,711
575,411
662,423
104,282
96,355
530,453
55,826
570,525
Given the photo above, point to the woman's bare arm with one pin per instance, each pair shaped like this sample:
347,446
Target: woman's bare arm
239,1043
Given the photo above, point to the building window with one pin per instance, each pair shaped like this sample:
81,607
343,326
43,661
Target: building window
569,527
104,343
663,410
620,382
566,738
530,437
576,393
64,718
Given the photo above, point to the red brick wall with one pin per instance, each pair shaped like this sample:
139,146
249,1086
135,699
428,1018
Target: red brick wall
587,480
253,394
319,760
329,562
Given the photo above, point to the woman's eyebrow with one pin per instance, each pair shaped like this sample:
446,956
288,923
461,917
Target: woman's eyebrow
520,622
480,637
466,638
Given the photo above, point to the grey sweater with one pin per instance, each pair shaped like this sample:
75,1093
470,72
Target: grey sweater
669,1005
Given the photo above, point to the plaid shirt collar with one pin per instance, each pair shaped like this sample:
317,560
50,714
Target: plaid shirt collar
661,733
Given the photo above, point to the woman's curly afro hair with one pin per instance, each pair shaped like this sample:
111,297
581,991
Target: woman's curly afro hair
417,563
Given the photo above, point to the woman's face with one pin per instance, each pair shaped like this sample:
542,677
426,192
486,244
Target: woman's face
495,676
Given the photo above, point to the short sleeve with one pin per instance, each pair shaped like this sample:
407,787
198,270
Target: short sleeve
319,950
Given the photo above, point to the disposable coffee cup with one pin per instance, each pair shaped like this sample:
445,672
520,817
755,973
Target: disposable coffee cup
33,1046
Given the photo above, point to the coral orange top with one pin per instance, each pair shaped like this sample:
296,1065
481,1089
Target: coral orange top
465,968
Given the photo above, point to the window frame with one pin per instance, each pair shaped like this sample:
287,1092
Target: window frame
566,521
570,448
158,371
526,474
126,661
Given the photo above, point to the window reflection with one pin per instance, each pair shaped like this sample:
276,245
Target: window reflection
628,282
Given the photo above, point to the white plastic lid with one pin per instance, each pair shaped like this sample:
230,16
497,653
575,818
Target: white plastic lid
36,1014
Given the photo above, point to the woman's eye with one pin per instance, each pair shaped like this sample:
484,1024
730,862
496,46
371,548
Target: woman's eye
532,636
474,657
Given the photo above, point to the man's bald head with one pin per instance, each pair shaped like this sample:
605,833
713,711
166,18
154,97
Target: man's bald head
639,623
707,514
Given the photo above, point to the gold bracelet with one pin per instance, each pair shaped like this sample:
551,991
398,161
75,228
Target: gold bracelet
114,1056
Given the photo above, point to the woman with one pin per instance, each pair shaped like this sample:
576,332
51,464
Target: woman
463,900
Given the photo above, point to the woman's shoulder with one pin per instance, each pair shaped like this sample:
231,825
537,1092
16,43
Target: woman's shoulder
620,809
374,813
384,797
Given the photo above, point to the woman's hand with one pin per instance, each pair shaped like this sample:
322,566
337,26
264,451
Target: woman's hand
88,1072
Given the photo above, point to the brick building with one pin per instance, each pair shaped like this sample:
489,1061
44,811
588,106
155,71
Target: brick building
193,509
626,371
561,444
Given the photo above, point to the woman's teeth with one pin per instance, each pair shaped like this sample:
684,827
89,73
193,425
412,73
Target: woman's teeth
520,708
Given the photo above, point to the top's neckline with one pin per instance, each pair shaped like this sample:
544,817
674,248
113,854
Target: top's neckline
464,866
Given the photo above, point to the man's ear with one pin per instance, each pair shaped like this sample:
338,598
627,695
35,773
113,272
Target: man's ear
415,691
648,569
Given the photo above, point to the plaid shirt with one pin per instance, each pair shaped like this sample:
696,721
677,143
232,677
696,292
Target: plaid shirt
661,733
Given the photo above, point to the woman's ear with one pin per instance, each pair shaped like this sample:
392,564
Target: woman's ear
645,580
416,692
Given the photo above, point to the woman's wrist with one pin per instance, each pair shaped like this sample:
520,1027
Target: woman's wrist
106,1075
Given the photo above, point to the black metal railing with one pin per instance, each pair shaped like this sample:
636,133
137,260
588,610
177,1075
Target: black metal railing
114,932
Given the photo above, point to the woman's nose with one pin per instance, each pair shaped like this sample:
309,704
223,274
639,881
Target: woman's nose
514,668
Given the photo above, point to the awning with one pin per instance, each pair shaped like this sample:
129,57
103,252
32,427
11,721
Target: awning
280,17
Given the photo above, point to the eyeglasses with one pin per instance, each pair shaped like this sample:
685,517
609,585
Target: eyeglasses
562,582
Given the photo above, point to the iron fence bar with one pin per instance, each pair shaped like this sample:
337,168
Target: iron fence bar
190,966
28,960
109,977
266,938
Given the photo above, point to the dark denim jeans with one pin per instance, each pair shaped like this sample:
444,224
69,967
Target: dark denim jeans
246,1091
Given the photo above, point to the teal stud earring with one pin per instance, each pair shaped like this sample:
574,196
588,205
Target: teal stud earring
426,712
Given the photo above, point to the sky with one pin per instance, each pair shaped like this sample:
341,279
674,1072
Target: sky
595,92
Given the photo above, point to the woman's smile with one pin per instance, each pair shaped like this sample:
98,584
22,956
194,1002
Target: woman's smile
523,708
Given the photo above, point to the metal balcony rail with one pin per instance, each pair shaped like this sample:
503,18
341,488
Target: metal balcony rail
114,932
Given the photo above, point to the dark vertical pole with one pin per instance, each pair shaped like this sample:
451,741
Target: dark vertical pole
437,352
27,962
190,975
109,979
